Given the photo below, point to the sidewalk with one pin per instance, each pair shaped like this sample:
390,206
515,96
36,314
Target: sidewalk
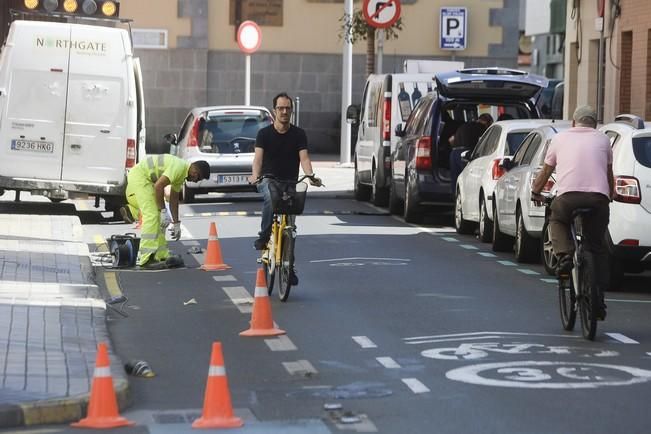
51,319
337,177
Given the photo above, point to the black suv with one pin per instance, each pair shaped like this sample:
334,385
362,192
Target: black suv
420,169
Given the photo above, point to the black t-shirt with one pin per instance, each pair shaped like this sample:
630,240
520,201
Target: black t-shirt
280,157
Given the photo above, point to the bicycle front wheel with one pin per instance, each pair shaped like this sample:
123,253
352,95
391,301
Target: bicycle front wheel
286,265
567,302
588,295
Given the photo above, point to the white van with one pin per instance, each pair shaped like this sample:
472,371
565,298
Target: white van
387,102
71,111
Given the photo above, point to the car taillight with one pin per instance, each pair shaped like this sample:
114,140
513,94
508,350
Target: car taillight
386,121
549,185
497,170
193,140
131,154
424,153
628,242
627,190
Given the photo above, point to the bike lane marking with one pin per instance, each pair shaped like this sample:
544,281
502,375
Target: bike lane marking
388,362
415,385
300,367
227,278
240,298
621,338
487,255
468,247
450,239
507,263
529,272
364,342
280,343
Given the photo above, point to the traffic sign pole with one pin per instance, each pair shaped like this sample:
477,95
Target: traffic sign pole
247,80
249,39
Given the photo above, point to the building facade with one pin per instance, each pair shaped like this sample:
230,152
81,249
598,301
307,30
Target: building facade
190,56
626,59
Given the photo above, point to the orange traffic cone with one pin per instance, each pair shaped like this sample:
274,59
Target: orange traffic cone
213,260
103,405
261,322
217,408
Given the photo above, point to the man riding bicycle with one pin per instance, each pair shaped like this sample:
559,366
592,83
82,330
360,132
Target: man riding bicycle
583,159
279,149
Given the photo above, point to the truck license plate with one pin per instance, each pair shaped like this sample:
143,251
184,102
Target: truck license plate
32,146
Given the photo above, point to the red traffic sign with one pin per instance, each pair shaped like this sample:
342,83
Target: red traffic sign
381,13
249,37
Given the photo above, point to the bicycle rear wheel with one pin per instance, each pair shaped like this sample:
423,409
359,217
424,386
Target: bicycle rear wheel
588,295
286,265
567,302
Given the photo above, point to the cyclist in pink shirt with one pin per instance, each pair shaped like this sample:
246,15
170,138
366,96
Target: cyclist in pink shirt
583,160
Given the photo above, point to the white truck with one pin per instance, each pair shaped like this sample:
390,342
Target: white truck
72,116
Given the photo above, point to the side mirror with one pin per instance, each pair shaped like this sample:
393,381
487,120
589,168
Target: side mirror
352,114
399,131
171,138
507,163
465,156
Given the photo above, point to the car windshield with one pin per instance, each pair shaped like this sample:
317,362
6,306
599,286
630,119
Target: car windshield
231,132
515,139
642,150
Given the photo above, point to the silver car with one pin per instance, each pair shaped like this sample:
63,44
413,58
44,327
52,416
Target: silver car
224,136
518,222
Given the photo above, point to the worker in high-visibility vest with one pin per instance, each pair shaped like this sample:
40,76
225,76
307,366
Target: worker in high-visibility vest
145,194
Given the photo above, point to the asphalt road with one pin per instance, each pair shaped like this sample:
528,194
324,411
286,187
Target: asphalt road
409,329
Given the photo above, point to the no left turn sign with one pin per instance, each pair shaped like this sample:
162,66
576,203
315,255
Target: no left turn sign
381,13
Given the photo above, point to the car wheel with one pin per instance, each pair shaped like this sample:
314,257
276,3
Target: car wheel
485,223
460,224
187,195
361,192
549,259
413,211
395,203
379,193
526,247
501,242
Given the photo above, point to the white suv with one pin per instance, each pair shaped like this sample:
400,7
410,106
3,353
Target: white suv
477,181
629,231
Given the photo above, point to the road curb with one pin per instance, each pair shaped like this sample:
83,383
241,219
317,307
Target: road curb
56,411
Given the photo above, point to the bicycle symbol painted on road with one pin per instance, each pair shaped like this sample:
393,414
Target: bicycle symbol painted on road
549,375
361,262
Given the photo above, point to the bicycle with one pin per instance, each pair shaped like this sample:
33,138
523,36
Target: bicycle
578,290
288,201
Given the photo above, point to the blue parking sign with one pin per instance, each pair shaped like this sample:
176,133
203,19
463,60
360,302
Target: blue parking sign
454,28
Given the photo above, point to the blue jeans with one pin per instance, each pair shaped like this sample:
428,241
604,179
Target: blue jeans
267,211
456,167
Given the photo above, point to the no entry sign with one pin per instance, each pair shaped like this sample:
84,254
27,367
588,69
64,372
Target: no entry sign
381,13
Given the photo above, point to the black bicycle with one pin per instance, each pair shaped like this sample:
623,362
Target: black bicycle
578,289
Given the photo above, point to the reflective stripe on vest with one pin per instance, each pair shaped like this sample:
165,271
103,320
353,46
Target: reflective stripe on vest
155,169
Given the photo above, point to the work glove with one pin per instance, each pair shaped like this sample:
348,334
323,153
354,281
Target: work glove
175,231
165,219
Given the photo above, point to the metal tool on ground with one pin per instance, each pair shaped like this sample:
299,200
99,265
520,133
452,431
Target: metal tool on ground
103,405
213,260
124,249
262,323
217,407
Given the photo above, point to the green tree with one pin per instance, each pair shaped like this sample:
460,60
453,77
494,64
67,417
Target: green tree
355,29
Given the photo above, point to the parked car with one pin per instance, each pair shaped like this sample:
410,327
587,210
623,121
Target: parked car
387,101
476,182
629,230
518,223
420,174
224,136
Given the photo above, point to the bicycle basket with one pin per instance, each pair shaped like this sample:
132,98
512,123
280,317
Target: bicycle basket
287,197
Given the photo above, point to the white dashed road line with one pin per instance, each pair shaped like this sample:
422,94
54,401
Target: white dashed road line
364,342
415,385
621,338
388,362
449,239
547,280
469,247
300,367
507,263
240,298
487,255
227,278
281,343
527,271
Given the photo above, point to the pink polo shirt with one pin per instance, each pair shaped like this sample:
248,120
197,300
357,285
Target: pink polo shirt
581,156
